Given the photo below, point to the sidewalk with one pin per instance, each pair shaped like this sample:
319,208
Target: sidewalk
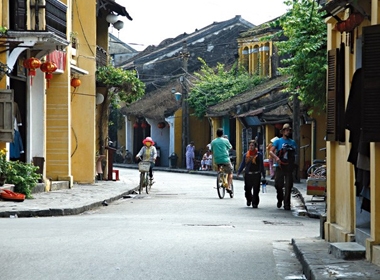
313,253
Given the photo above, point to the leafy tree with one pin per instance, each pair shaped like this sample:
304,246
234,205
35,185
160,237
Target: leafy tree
215,85
122,86
305,51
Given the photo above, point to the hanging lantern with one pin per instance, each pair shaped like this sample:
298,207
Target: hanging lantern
48,68
32,64
75,82
278,126
340,26
143,125
161,125
136,125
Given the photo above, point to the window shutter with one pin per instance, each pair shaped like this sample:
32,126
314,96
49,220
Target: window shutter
18,10
371,84
331,127
6,115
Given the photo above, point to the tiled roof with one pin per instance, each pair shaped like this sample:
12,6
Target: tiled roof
155,105
268,92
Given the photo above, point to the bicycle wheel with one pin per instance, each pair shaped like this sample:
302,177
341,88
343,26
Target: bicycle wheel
232,190
219,185
142,178
148,183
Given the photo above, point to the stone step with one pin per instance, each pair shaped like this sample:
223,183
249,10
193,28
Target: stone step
347,250
40,187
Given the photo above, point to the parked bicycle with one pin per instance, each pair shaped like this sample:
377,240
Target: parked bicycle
145,181
222,183
123,156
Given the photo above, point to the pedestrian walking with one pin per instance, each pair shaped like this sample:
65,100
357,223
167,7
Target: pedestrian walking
284,151
252,166
271,159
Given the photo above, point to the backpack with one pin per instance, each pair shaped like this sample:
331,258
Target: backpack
287,156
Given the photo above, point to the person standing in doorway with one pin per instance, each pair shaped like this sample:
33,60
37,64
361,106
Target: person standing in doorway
253,166
284,151
190,156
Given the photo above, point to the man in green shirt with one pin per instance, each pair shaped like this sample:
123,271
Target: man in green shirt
220,148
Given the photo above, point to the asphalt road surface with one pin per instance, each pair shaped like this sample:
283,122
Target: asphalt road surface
181,230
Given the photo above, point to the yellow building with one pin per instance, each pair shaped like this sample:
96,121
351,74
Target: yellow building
352,118
57,118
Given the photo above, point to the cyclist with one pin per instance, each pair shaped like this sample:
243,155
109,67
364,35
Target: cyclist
148,153
220,148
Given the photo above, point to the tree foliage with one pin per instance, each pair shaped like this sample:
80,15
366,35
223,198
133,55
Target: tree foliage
305,59
122,85
214,85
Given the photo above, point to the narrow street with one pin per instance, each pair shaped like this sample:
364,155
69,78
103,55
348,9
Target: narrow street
181,230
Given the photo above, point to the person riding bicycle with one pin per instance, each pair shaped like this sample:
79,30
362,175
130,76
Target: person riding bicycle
148,153
220,148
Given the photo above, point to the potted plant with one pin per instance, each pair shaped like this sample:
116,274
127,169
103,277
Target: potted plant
24,176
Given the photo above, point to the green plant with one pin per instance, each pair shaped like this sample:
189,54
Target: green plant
214,85
24,176
3,162
3,30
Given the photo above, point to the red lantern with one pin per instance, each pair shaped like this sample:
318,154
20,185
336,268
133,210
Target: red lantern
75,82
340,26
161,125
136,125
48,68
357,18
143,125
32,64
278,126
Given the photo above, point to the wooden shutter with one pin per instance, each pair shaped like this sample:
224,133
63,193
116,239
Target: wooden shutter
371,84
331,127
340,95
18,14
6,115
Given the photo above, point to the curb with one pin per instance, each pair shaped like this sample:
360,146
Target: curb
51,212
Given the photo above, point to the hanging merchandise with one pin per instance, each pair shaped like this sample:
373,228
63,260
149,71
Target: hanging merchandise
48,68
32,64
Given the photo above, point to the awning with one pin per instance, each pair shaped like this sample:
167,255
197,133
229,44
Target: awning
78,70
114,7
334,7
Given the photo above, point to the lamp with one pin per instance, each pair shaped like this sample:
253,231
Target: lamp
118,25
177,95
111,18
99,98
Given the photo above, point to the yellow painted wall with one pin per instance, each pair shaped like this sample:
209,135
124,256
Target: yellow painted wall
83,101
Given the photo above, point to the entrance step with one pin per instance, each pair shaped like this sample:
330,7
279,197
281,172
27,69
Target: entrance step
362,234
347,250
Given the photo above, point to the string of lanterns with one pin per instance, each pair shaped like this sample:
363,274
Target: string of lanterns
32,64
348,25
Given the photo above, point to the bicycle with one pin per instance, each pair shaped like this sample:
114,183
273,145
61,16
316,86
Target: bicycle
145,181
222,183
123,156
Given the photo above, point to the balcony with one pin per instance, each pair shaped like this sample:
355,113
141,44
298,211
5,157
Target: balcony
50,17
